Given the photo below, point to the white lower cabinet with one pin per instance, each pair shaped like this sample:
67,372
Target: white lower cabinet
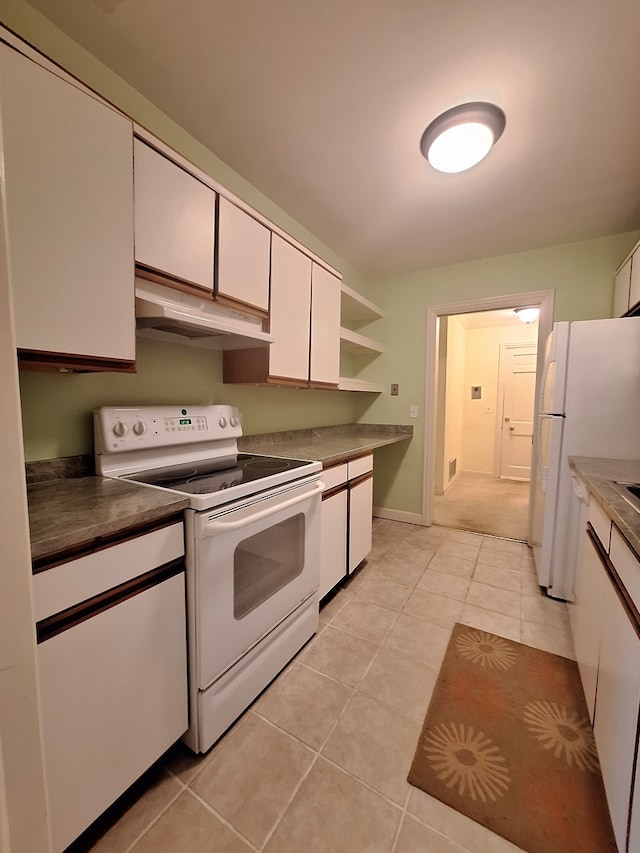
607,643
112,672
346,520
333,547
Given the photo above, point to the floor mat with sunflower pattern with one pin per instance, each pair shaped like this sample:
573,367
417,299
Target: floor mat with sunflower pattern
507,741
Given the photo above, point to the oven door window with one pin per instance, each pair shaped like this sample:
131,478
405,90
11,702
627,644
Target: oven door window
266,562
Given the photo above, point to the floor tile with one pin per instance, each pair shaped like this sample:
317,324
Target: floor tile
376,743
251,780
459,549
428,537
452,565
304,703
132,813
413,553
492,598
443,583
470,835
415,837
556,640
465,537
386,593
498,577
545,611
341,655
400,571
401,682
495,623
500,559
366,620
507,546
334,813
188,826
418,639
438,609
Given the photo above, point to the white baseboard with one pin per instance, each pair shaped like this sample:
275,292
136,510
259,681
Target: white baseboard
397,515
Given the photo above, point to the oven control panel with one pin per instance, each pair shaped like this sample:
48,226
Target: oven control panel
136,428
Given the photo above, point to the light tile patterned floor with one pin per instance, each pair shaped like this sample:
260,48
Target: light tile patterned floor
319,762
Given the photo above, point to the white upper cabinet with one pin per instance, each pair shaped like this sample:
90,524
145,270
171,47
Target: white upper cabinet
243,258
67,174
174,221
325,327
290,311
634,284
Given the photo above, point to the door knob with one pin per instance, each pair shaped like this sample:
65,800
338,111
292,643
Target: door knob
506,420
511,428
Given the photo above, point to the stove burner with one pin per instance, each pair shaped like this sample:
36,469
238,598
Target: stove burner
268,463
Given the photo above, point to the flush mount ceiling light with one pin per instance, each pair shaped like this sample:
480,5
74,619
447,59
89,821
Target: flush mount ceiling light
462,136
527,315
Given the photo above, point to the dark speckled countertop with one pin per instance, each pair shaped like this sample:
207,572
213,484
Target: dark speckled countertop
68,514
70,510
329,445
597,475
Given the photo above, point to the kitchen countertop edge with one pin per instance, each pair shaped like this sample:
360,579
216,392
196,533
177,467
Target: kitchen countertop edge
597,475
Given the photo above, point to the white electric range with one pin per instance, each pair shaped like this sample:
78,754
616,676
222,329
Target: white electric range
252,547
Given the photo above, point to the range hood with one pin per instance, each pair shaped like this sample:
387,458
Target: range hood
167,315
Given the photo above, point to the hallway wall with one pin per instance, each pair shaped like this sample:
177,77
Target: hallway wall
482,364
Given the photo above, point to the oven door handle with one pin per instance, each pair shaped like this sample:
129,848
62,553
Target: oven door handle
212,527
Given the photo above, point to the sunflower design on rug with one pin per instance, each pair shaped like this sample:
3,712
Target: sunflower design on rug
562,732
467,760
486,649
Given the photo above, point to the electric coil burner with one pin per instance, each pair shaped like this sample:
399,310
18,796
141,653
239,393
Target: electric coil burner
252,539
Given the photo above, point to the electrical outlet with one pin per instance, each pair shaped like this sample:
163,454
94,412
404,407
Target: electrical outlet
413,411
476,392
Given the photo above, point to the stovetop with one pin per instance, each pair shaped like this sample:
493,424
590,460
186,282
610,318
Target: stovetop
209,477
190,450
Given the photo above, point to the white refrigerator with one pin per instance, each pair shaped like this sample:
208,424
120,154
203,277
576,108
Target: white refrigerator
588,405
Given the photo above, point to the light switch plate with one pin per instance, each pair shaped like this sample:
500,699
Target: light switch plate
395,389
476,392
413,411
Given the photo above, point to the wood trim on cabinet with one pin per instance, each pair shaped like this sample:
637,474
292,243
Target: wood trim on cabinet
327,386
151,274
29,359
342,487
357,480
65,555
626,601
78,613
230,302
245,365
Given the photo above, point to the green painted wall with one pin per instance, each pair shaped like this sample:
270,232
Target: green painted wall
581,276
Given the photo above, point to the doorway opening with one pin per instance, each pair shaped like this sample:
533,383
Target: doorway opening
482,364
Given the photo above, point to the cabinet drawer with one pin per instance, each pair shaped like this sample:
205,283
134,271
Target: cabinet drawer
358,467
626,565
334,476
62,586
601,523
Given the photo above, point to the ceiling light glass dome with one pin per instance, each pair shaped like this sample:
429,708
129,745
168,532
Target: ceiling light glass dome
462,136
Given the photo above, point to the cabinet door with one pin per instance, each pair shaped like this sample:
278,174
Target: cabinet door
113,694
621,289
586,617
68,173
616,714
174,220
360,521
333,542
243,252
290,311
634,285
325,327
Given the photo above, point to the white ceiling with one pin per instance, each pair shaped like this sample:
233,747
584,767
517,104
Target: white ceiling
321,105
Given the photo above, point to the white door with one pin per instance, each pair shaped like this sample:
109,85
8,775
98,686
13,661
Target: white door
518,371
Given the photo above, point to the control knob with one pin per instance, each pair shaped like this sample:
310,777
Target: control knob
222,422
139,428
233,421
120,429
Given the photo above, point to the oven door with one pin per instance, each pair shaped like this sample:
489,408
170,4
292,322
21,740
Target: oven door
251,564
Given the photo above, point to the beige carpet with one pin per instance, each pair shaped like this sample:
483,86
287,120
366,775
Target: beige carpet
483,504
507,742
